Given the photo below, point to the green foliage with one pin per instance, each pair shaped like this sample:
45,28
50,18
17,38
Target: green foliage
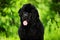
9,19
49,12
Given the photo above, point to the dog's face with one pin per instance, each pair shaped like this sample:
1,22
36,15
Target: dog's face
25,17
28,13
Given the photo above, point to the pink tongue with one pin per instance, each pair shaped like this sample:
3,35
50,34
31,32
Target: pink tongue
25,23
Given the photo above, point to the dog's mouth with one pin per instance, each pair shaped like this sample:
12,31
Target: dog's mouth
25,22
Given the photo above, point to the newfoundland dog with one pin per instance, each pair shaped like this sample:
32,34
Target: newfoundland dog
31,27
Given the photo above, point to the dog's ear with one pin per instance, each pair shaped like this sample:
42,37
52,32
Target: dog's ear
20,11
35,13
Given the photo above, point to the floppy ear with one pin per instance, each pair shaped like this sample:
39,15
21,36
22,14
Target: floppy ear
20,12
35,13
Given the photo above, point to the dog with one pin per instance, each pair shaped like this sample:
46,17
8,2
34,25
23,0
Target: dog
31,27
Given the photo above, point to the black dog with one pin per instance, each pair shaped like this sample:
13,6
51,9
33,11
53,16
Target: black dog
31,28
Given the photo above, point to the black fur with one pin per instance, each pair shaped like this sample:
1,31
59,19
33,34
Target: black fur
34,30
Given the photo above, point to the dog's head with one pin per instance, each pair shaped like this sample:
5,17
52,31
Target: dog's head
28,13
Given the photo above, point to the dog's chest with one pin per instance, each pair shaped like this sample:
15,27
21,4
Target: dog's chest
31,32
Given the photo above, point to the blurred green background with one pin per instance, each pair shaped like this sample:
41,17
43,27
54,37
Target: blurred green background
49,14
